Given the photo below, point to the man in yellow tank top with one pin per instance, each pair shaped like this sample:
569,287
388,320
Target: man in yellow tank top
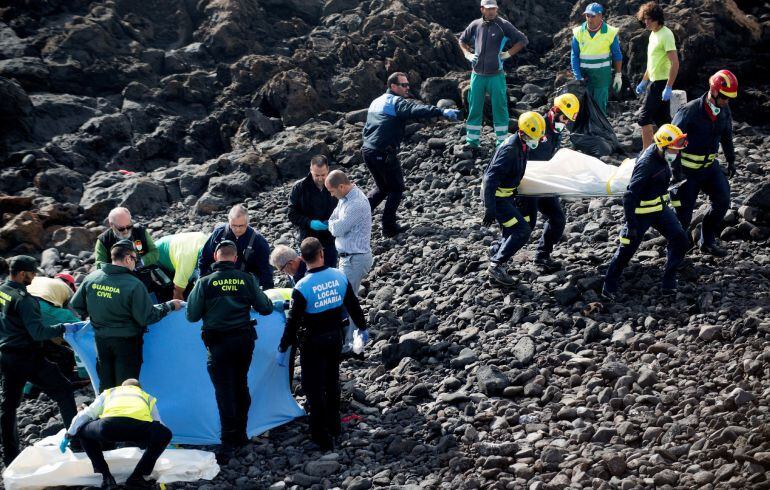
124,413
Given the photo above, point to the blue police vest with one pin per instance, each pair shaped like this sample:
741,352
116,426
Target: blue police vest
323,290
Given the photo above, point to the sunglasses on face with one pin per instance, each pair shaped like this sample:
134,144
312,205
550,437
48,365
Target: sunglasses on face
405,85
722,96
124,228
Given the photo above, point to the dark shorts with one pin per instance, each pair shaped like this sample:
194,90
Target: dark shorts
655,110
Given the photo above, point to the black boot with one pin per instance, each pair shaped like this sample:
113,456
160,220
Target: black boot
108,482
138,482
713,249
498,274
547,264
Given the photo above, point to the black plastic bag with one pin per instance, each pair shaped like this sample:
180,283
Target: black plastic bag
591,132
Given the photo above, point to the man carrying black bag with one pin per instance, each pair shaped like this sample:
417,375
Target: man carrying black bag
223,299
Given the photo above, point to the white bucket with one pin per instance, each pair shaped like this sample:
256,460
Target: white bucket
678,99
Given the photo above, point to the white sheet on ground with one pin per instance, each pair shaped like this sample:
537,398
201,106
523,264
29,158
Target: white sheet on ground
43,465
573,174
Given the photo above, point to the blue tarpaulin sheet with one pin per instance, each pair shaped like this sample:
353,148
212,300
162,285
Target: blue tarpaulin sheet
174,371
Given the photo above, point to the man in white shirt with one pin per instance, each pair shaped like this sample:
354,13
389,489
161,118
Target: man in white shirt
351,226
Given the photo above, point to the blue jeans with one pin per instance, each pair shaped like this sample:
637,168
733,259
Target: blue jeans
515,229
553,229
355,267
714,184
667,224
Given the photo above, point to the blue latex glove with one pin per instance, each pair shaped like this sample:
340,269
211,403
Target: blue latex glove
452,114
278,305
364,335
666,94
72,327
642,87
281,358
65,441
318,225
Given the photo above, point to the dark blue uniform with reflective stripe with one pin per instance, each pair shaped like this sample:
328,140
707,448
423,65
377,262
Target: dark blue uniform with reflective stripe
318,303
646,204
700,168
549,206
501,178
387,118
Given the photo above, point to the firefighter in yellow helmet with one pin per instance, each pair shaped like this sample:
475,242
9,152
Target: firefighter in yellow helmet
124,413
647,203
501,178
564,111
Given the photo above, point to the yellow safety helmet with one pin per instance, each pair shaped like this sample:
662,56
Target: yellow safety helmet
670,136
568,104
532,124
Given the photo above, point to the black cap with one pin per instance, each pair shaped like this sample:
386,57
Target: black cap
227,243
124,244
23,263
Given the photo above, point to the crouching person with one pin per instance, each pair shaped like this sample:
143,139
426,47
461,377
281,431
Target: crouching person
121,414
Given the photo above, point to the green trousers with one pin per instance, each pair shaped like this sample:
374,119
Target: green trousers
495,86
598,85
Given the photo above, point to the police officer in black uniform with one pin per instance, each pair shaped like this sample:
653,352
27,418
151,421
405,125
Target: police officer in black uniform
21,358
224,299
318,303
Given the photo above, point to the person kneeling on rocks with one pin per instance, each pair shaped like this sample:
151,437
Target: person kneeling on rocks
121,414
319,301
501,178
647,203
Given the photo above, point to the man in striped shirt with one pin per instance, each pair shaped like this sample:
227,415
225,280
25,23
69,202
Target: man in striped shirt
351,225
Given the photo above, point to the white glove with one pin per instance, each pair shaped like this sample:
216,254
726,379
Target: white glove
505,55
472,57
617,83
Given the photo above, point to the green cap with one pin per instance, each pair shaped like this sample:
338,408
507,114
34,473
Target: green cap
23,263
124,244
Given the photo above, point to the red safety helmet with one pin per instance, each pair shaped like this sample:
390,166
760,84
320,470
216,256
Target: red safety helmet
725,83
67,278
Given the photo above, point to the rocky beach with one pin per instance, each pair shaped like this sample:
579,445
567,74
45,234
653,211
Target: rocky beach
178,109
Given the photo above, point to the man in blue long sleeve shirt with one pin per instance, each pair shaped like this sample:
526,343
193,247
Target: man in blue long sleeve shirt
595,47
385,124
708,123
253,249
647,203
501,178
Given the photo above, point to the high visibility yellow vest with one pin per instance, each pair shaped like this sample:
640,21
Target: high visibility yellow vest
128,401
595,51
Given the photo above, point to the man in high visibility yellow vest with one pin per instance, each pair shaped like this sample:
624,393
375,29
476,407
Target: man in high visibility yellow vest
124,413
595,47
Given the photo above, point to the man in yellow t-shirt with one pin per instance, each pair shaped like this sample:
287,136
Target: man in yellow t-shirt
178,255
659,77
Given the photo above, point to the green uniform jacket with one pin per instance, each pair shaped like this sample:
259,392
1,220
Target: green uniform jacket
148,253
225,297
20,322
117,303
51,315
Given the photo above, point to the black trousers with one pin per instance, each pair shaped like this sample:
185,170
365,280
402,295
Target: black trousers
320,362
17,368
118,359
153,436
388,183
229,358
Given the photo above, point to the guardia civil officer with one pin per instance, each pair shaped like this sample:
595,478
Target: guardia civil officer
318,303
120,309
224,299
21,356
